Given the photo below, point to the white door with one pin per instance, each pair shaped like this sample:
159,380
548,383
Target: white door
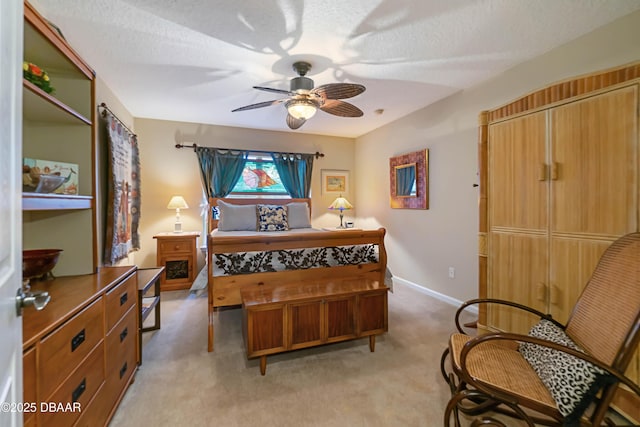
11,24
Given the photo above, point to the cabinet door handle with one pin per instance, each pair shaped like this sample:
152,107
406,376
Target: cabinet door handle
123,370
124,334
123,298
542,172
554,294
77,340
541,291
75,395
554,171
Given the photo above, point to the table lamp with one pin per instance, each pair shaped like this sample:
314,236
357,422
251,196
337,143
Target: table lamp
341,204
177,203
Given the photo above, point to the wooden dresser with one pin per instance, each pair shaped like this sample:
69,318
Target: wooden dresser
81,351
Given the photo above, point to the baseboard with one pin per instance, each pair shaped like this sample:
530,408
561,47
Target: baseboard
437,295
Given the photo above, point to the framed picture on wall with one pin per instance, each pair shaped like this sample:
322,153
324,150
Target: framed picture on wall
335,181
409,178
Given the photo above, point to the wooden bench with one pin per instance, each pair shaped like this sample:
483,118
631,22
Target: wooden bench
284,317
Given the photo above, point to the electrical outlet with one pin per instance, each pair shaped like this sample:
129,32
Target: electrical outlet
452,272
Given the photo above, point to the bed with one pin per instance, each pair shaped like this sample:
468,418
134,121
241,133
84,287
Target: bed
239,256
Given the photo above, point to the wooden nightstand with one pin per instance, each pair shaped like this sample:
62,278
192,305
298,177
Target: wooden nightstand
177,253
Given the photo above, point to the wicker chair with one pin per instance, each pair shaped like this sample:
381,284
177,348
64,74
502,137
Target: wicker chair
488,374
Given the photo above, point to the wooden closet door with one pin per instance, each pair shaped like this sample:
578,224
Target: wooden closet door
594,187
594,151
517,219
517,272
517,176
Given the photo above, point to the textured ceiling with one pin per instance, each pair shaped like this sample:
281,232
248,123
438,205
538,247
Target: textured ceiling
197,60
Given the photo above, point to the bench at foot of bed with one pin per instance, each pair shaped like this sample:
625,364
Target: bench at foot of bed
279,318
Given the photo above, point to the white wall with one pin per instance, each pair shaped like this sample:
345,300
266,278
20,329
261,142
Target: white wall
422,244
168,171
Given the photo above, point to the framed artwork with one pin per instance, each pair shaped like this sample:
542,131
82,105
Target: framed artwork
335,181
409,178
45,176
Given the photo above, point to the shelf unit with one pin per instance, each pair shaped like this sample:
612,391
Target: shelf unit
60,126
148,301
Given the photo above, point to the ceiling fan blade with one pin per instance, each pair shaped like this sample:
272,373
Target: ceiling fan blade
259,105
270,89
341,108
339,90
294,123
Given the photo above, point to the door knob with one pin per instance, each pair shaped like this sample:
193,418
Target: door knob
26,299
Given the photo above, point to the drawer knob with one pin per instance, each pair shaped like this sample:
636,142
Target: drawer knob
77,340
123,298
79,390
176,247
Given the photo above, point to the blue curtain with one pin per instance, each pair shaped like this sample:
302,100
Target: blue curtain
220,169
295,172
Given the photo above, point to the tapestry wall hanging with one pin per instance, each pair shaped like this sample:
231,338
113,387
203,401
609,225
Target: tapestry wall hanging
123,203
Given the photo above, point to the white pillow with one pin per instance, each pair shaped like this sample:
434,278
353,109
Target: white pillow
236,217
298,215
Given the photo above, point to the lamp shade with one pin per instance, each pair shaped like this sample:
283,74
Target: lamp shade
301,109
177,202
341,204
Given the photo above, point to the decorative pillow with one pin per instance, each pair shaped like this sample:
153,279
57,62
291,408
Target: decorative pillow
236,217
298,215
272,218
572,382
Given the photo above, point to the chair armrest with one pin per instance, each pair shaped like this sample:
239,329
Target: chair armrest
501,302
503,336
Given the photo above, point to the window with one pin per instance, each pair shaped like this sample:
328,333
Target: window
259,176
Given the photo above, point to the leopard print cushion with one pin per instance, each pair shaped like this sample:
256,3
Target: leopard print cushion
572,382
272,218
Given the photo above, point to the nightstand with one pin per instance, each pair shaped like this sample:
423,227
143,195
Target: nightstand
177,253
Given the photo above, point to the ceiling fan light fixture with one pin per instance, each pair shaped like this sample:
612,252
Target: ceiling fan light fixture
301,109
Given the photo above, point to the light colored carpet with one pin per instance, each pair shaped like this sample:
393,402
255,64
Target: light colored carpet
181,384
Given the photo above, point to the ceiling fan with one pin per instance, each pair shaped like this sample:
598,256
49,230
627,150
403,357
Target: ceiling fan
304,100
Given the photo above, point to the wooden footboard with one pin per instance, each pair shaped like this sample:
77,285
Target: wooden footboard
225,290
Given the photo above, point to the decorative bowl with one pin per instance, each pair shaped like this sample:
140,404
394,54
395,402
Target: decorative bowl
38,262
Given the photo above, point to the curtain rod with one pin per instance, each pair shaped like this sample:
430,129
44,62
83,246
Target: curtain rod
317,154
104,114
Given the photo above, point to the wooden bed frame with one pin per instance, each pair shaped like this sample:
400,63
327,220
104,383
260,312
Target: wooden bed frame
225,290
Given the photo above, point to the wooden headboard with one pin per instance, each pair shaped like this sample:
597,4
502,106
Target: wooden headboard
213,202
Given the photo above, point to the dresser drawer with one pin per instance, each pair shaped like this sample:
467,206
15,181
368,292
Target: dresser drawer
63,350
120,299
120,339
176,245
29,384
98,410
123,365
75,393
